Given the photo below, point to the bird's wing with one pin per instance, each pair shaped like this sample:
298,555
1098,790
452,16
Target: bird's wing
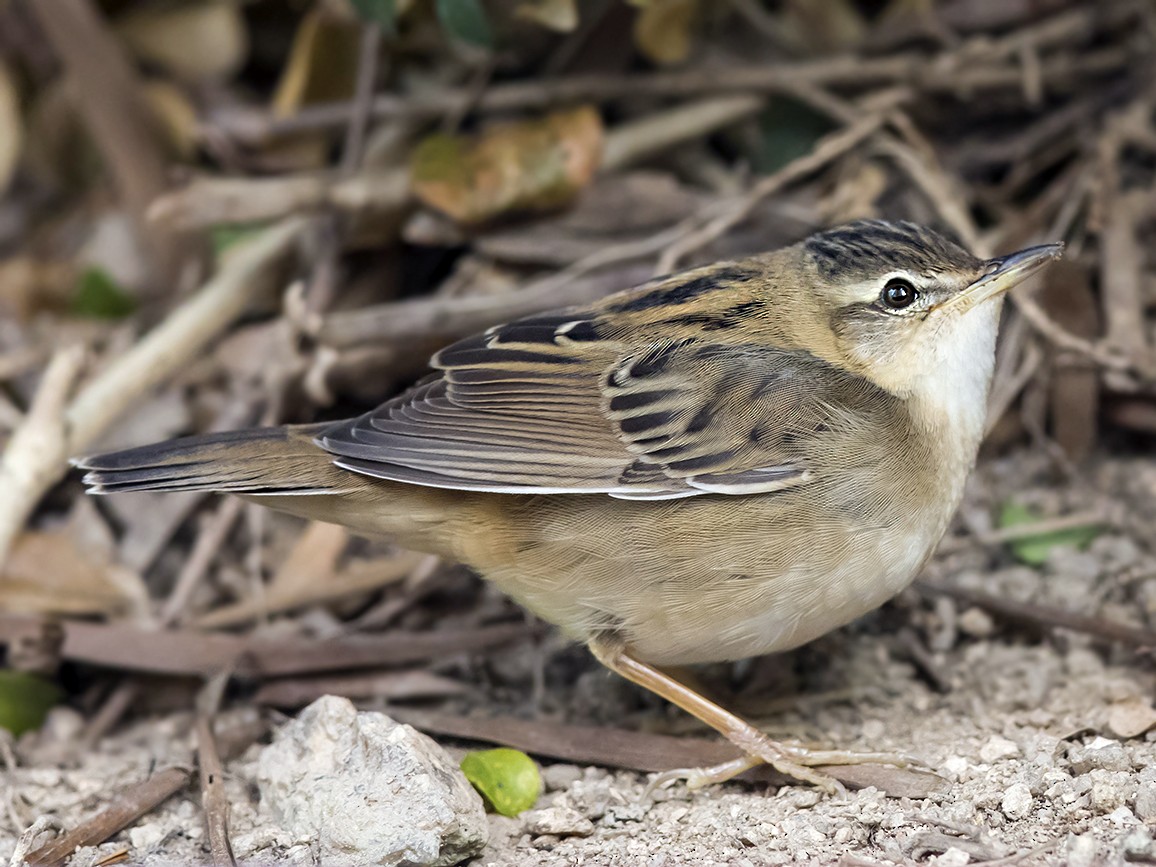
547,405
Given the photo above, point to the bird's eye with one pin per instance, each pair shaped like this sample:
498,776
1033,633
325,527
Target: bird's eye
898,293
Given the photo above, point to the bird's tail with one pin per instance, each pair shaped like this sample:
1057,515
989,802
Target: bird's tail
284,469
257,462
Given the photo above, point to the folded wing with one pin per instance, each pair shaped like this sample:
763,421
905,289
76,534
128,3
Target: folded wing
550,405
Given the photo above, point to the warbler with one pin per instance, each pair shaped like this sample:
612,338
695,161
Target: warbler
722,463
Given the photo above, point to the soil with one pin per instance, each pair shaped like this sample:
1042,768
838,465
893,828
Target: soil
1044,736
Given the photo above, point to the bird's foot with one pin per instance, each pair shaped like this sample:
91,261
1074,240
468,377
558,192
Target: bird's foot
795,762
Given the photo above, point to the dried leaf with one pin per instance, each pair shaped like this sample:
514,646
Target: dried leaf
535,165
560,15
195,41
301,587
322,65
11,127
1131,717
664,29
29,286
176,117
507,779
49,573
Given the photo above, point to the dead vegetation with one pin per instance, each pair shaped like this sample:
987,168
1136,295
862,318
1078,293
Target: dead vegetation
218,214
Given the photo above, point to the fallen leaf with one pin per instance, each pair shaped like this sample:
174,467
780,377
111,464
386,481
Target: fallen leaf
25,700
560,15
49,573
194,41
322,64
507,779
1131,717
176,117
98,296
664,29
534,165
465,20
1034,549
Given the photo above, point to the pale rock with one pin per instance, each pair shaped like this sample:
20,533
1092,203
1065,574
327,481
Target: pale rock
1100,753
1017,801
997,749
368,790
1122,817
559,822
1082,851
952,857
1145,806
558,778
145,837
976,622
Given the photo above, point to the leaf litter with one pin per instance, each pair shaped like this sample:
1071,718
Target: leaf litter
675,132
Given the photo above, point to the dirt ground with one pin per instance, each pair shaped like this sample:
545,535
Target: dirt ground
1043,736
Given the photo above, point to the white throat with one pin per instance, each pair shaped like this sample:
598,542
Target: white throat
951,399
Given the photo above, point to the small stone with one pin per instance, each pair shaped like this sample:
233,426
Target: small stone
1131,717
1145,806
997,749
1138,846
956,766
1100,753
1017,801
1106,796
367,790
952,857
1122,817
144,837
558,778
558,822
977,623
1082,851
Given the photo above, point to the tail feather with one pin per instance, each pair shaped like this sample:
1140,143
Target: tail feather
261,461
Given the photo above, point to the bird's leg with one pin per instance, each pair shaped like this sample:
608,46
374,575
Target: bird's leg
758,749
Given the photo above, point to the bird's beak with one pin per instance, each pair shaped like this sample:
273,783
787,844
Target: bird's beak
1005,272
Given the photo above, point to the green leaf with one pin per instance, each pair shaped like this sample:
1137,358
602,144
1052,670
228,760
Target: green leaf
25,700
466,20
384,12
507,779
1034,549
98,296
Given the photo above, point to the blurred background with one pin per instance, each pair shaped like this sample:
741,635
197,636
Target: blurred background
221,213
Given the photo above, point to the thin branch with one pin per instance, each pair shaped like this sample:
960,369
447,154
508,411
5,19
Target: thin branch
944,73
1042,615
39,448
37,456
828,148
135,801
214,801
245,275
109,98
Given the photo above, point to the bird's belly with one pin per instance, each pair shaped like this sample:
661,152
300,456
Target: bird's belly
778,611
720,590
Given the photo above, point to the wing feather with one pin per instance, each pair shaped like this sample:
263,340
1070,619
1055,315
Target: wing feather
561,404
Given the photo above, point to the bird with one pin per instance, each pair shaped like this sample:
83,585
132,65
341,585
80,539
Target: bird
721,463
